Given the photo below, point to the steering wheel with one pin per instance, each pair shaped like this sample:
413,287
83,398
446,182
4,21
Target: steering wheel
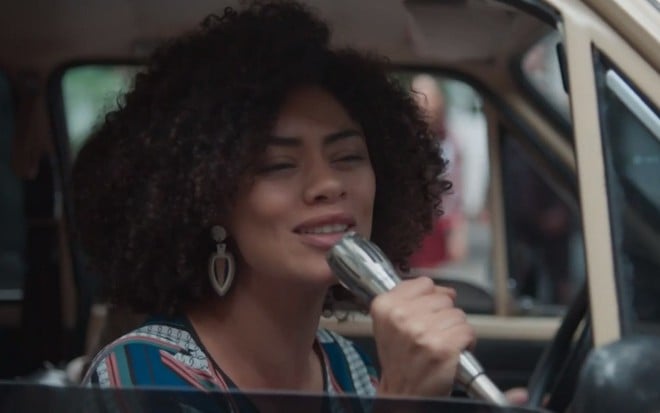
557,370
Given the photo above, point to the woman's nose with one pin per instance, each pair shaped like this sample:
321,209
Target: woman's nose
323,184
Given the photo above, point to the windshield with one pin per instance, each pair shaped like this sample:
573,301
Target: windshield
541,71
18,398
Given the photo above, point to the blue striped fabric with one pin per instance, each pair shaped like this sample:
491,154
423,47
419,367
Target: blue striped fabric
165,353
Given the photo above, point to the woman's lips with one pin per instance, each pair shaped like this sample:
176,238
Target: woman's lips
322,241
324,231
313,224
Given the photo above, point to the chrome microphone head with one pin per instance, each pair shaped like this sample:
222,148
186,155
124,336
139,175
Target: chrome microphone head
362,267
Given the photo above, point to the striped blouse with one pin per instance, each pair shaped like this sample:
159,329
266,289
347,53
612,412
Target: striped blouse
168,353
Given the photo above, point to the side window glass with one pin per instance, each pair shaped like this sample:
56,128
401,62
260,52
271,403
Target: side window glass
540,67
631,138
457,251
544,236
12,213
88,93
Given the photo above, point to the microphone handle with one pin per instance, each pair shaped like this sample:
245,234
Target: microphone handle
365,271
470,374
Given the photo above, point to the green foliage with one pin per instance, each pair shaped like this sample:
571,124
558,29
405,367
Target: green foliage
89,92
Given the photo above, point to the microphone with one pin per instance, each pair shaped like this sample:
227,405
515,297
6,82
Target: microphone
363,269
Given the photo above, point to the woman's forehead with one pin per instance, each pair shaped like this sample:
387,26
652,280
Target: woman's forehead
311,108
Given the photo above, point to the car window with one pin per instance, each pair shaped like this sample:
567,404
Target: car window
457,251
631,138
655,3
12,213
544,235
543,274
88,93
545,243
542,76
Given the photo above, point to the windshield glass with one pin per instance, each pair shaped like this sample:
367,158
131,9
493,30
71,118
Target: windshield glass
19,398
542,75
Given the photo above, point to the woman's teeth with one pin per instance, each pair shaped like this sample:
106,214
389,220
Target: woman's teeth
326,229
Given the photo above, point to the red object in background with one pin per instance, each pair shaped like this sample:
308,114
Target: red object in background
434,249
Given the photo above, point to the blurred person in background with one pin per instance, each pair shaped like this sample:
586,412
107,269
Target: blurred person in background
448,240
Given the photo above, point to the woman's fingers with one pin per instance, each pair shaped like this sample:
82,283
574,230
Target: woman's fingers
417,292
415,287
419,336
517,396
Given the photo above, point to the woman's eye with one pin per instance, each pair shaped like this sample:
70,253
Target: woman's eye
274,167
351,158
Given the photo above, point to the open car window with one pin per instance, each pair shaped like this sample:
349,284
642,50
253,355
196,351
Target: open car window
545,270
457,252
544,236
88,93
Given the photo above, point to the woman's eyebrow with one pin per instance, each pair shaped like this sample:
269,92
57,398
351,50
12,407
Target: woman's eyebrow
341,135
292,141
283,141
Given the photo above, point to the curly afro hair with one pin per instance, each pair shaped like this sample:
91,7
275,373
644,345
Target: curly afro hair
162,168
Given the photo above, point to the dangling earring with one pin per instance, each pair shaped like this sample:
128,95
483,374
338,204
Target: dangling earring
221,282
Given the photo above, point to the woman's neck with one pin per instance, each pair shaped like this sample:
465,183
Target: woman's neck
262,336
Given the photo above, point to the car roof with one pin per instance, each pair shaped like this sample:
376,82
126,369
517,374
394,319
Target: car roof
41,35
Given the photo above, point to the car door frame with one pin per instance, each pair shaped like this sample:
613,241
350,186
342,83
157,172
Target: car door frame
585,30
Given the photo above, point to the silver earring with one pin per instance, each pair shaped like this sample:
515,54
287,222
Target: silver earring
221,282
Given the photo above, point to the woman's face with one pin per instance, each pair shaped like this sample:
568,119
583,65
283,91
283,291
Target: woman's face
314,183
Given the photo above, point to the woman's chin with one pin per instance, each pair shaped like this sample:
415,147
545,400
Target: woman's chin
302,268
326,276
329,279
316,271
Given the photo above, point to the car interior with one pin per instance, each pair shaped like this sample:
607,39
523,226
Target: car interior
521,269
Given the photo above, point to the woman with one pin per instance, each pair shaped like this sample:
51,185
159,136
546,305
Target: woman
209,199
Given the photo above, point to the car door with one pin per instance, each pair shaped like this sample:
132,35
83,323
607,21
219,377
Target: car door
613,62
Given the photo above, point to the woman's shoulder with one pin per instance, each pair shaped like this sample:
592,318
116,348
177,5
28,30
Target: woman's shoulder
160,352
168,334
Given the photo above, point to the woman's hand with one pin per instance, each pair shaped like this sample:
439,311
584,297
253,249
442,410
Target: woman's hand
517,396
419,337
